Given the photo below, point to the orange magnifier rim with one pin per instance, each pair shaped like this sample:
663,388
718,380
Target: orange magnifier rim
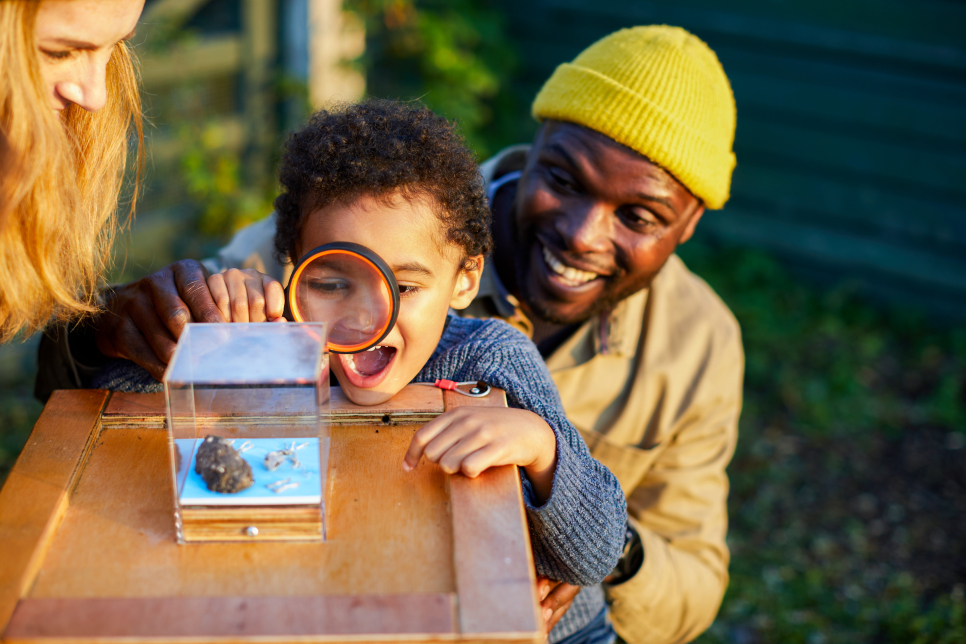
357,252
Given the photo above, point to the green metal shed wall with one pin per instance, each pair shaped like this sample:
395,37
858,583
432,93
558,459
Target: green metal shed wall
851,138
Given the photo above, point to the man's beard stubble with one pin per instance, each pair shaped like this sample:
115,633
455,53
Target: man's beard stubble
607,302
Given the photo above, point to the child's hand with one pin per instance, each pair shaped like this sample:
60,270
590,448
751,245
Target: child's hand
247,296
472,439
556,598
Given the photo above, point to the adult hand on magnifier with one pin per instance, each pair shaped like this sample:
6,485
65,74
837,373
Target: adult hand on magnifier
144,319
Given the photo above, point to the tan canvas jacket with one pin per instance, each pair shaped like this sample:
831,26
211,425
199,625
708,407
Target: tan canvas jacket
655,389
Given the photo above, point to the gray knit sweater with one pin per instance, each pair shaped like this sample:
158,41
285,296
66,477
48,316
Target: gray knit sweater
578,534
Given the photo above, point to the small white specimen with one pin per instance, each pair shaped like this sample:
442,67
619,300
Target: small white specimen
287,486
272,486
276,458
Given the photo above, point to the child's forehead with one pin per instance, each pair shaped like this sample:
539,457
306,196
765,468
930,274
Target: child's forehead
402,230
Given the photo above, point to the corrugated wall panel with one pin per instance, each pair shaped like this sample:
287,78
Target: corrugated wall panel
851,137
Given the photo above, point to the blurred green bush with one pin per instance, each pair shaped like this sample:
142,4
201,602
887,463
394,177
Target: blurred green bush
452,55
224,197
848,499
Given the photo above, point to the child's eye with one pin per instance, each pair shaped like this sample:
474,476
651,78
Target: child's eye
329,288
407,290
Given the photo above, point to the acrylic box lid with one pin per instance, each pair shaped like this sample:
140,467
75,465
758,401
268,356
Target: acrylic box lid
260,353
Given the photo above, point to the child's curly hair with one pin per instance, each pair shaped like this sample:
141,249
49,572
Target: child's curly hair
381,148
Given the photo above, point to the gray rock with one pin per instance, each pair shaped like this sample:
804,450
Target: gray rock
222,467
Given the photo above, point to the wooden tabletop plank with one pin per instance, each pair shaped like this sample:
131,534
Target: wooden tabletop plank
125,409
390,534
312,618
412,399
389,530
37,492
147,406
495,578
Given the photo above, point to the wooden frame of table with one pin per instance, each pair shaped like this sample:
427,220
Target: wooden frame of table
88,550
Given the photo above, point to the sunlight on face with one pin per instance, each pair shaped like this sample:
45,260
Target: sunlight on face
595,223
75,40
408,235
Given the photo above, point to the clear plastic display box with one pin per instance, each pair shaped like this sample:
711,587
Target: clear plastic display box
248,428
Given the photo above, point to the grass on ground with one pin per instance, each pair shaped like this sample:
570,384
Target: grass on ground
848,498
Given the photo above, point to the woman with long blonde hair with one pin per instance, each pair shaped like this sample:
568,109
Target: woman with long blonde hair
69,113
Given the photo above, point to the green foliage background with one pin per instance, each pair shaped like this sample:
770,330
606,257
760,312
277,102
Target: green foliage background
849,483
452,55
848,488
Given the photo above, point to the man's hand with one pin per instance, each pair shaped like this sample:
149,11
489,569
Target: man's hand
144,319
556,598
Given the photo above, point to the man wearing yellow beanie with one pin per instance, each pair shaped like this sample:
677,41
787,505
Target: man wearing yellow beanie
635,143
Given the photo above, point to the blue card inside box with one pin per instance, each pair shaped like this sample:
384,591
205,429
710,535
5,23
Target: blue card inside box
291,483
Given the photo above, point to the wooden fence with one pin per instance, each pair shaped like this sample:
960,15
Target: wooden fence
238,54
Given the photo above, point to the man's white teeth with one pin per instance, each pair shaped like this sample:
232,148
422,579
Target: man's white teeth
569,273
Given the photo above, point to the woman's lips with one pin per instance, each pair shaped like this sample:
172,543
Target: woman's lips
368,368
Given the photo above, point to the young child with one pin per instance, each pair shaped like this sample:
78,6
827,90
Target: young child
399,180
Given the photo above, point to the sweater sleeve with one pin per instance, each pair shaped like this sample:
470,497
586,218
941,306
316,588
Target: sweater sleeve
125,376
578,533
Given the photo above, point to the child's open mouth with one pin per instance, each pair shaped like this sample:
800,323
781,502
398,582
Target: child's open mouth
368,368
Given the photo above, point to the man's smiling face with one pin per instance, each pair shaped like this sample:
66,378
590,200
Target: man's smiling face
594,223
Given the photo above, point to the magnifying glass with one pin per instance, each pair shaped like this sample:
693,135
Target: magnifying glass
349,287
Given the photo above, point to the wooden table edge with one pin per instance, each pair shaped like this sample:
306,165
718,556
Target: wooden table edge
417,616
491,570
37,492
474,562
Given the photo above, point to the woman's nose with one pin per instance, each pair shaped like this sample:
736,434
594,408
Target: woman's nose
88,86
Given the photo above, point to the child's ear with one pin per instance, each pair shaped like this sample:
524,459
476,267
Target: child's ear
467,283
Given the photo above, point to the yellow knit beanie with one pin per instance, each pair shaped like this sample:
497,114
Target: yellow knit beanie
658,90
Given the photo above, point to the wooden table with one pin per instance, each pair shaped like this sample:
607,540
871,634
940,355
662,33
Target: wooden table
88,550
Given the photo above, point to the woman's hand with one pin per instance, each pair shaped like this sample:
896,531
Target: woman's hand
472,439
247,296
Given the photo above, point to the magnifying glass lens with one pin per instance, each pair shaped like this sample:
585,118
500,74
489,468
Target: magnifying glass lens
347,291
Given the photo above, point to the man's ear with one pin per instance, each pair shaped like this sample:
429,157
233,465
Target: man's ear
692,224
467,283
